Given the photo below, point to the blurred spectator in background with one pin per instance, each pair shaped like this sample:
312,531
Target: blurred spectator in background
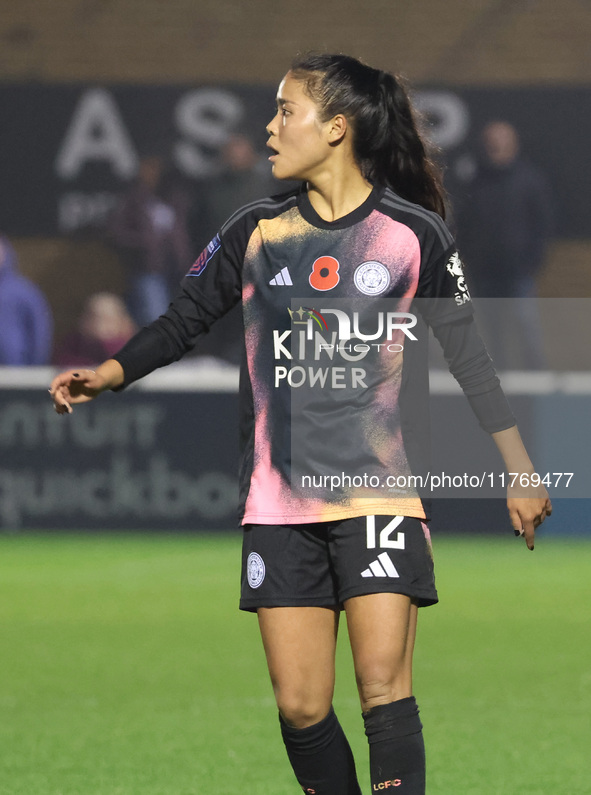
104,326
245,177
149,230
503,231
26,323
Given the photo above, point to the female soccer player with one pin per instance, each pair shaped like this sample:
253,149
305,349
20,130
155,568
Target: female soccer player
338,281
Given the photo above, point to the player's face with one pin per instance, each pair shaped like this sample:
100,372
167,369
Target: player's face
299,140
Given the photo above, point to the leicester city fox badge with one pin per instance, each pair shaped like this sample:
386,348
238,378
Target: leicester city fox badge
371,278
255,570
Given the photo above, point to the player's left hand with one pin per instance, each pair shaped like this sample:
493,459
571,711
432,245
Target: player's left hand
528,507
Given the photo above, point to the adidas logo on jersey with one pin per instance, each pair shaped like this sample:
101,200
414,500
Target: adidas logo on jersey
282,279
382,567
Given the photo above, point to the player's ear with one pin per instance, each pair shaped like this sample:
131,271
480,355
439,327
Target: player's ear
337,129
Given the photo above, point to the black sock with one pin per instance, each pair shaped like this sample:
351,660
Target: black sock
321,757
396,748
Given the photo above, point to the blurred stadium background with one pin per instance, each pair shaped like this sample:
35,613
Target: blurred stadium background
124,666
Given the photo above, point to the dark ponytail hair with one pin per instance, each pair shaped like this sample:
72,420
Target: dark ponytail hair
386,142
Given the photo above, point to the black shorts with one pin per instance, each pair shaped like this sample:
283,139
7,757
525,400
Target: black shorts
325,563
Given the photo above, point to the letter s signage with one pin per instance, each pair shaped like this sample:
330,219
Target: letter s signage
204,117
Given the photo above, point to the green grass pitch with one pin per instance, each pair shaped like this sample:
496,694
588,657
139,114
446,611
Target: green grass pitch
126,669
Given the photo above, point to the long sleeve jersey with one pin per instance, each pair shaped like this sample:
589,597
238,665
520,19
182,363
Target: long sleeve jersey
334,386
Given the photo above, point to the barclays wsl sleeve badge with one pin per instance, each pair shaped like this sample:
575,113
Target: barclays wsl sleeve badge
371,278
455,267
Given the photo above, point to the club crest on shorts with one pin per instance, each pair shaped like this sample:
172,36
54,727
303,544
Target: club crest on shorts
255,570
371,278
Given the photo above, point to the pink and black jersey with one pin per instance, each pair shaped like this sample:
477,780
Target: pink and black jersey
334,387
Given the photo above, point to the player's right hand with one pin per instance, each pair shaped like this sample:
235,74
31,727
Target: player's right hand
75,386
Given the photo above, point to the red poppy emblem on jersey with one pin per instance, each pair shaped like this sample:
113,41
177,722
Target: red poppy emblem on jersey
325,273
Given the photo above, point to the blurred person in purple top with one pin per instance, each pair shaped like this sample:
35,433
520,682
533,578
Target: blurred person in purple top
26,323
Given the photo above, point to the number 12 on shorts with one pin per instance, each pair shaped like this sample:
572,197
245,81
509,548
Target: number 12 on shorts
385,541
